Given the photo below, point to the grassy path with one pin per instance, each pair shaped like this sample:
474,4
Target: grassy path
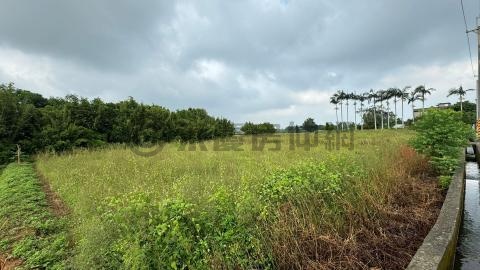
29,231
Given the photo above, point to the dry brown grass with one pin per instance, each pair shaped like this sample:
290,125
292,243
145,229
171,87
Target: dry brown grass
385,236
9,263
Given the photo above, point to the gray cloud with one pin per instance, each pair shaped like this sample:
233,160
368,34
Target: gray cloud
102,34
267,60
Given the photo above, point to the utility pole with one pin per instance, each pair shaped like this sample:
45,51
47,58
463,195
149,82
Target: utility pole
478,72
477,31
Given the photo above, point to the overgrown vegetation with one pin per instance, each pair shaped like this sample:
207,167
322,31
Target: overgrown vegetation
441,134
28,230
253,129
468,111
248,209
58,124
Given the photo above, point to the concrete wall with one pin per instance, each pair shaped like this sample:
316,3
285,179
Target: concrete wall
439,247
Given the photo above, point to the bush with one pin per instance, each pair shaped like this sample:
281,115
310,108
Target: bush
300,181
444,181
144,234
440,135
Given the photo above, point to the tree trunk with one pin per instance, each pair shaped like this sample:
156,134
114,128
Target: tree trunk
336,113
19,152
341,114
395,102
355,115
375,114
388,114
461,104
413,113
348,124
361,115
423,104
403,119
381,112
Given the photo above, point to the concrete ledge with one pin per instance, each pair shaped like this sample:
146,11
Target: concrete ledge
438,248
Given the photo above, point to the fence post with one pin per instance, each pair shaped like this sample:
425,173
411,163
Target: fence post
19,151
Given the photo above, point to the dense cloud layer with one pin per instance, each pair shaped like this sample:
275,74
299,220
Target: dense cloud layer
257,60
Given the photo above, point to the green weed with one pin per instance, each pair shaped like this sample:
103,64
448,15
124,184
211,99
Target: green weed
217,209
28,230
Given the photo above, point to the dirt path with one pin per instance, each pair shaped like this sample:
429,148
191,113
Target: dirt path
55,203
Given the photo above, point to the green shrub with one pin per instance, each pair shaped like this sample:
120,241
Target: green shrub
440,135
147,235
173,235
300,181
444,181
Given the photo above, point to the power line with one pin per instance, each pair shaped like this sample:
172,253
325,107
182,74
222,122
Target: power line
468,38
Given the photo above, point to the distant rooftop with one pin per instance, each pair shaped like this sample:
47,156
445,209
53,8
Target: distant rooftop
442,105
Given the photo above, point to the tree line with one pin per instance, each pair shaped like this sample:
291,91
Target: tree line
374,107
250,128
36,123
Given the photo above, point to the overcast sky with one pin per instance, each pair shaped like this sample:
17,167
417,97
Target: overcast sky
257,60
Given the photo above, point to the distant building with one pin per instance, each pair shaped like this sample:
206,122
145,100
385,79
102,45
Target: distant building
444,105
238,128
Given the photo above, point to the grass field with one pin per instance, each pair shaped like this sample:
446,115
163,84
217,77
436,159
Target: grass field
247,209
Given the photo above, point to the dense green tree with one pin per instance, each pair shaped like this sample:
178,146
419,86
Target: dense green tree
330,126
59,124
267,128
254,129
369,120
223,127
310,125
469,109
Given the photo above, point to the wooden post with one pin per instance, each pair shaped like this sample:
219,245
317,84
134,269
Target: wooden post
19,151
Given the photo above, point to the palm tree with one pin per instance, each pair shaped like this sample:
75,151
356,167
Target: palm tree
388,96
340,98
381,97
347,97
411,99
404,93
422,91
374,96
395,93
354,97
334,101
362,99
461,94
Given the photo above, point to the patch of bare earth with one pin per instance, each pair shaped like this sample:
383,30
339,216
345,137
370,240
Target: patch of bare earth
55,203
7,263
